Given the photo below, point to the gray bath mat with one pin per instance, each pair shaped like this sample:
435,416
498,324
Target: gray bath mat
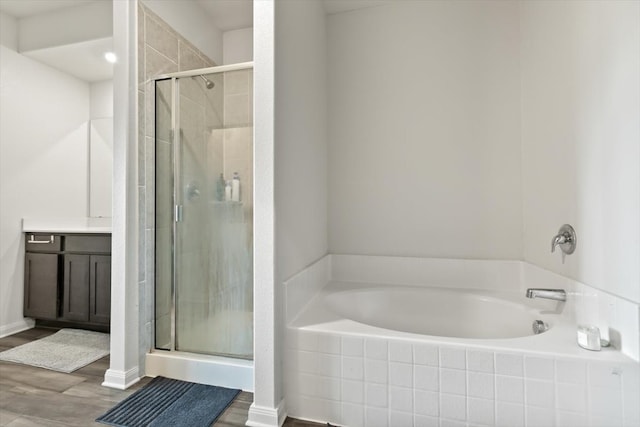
165,402
65,351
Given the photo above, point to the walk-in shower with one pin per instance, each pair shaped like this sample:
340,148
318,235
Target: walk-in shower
204,215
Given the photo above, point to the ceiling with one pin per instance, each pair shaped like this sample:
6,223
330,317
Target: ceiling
338,6
225,14
229,14
24,8
85,60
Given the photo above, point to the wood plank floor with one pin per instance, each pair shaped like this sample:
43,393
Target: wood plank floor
36,397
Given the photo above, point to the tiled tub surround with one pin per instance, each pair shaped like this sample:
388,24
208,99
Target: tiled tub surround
352,374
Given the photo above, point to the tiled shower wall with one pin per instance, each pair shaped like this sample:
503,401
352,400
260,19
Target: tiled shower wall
230,273
232,145
161,50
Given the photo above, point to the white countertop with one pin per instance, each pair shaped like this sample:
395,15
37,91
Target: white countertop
66,225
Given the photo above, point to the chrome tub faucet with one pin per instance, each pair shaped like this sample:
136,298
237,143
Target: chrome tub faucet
554,294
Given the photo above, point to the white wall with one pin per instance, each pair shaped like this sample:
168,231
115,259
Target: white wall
237,46
101,167
300,148
301,136
43,161
101,149
192,21
8,31
101,99
581,139
424,153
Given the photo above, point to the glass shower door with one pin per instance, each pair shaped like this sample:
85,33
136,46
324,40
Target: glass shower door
213,214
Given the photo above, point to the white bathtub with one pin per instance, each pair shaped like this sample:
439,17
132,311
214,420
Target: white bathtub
456,313
480,318
433,349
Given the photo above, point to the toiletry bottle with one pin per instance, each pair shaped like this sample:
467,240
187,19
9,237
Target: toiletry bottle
220,184
227,191
235,187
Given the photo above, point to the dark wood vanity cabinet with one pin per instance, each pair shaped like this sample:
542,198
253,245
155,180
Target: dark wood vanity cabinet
75,291
41,286
100,289
68,278
87,288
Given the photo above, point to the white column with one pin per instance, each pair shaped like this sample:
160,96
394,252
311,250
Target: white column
266,410
123,371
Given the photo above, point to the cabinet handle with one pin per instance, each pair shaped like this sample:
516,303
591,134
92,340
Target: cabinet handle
32,239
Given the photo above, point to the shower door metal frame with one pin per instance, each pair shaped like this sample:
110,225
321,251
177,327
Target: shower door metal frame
174,180
175,175
177,183
202,71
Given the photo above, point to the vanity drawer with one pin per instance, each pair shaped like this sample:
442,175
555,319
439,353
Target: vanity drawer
88,243
42,242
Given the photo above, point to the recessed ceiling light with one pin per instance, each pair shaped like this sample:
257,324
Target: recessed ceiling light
110,57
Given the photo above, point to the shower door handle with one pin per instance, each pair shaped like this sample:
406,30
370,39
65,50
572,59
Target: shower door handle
178,213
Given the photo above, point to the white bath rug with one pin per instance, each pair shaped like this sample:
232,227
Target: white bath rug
65,351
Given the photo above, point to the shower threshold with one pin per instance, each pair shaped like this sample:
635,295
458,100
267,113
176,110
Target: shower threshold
203,369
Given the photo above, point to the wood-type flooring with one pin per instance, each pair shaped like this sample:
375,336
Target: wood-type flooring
36,397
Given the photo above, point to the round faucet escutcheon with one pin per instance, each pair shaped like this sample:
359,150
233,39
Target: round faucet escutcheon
565,239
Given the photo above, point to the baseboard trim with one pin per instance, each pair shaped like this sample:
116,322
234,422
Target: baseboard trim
15,327
261,416
121,380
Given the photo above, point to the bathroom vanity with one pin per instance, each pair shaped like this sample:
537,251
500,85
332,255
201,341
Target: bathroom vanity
67,276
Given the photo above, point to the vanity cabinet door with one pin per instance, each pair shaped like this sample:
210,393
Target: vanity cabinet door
75,305
100,289
41,285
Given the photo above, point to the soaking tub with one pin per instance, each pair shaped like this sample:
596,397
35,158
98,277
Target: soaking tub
385,354
456,313
483,318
